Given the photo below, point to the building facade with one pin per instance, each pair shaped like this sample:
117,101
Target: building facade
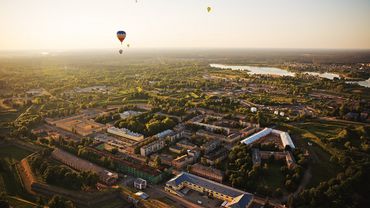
152,147
207,172
126,133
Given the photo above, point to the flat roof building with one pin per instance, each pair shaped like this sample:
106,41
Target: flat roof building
140,183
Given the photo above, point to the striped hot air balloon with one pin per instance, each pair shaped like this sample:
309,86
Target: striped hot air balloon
121,35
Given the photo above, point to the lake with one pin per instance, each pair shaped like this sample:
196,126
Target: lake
282,72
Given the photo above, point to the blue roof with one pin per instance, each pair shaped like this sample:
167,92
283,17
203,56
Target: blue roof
241,201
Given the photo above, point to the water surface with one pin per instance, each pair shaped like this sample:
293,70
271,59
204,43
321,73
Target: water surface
282,72
256,70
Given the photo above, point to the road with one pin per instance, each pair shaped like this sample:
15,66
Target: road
343,121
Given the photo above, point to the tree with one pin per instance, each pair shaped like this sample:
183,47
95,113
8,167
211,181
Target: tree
3,200
114,151
40,203
157,162
59,202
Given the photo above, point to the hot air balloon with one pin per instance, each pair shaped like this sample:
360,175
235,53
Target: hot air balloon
121,35
209,9
128,45
120,51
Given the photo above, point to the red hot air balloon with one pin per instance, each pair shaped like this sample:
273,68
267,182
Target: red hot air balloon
121,35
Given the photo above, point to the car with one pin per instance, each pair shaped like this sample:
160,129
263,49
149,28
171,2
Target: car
199,202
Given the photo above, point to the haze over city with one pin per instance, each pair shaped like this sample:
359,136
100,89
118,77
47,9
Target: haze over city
184,103
91,24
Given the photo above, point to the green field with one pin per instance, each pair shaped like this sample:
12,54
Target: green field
13,153
6,117
9,179
322,128
315,131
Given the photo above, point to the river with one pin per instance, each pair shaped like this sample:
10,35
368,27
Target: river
282,72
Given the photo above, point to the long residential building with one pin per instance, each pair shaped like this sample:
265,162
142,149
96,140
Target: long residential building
132,167
207,172
233,198
152,147
126,133
212,128
77,163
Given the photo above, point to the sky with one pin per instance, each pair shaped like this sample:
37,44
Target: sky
92,24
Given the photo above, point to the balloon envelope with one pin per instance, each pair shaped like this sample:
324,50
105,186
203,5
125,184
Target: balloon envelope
121,35
120,51
209,9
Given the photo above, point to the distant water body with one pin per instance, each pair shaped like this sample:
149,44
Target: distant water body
282,72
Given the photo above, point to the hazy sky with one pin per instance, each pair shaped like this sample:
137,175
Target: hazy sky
85,24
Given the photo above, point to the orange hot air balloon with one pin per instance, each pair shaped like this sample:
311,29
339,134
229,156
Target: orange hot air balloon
121,35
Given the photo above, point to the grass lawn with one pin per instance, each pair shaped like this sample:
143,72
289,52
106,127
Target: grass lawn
13,152
321,167
273,178
314,131
323,129
6,117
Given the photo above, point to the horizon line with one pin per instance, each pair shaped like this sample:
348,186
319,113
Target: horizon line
183,48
